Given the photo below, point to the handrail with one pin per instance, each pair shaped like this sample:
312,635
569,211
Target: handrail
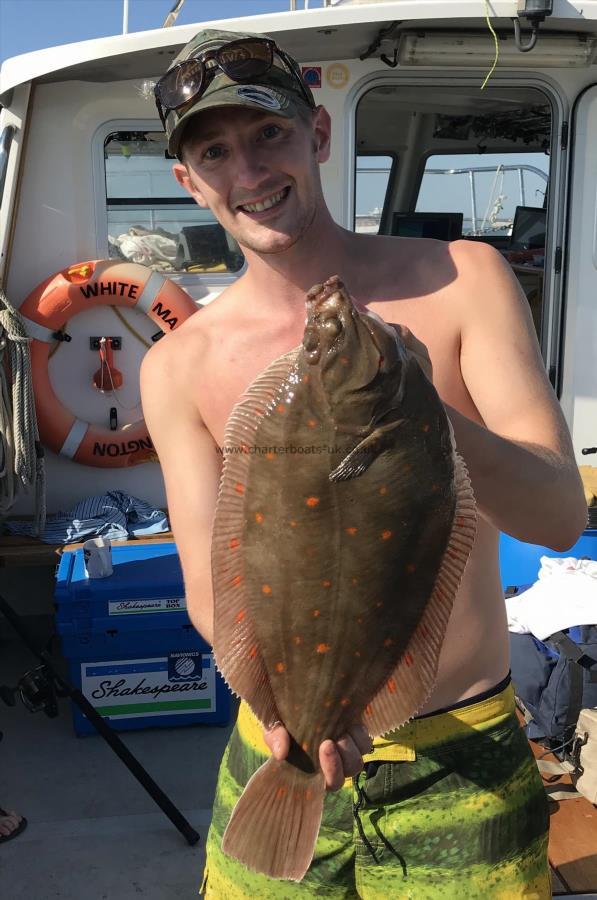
6,137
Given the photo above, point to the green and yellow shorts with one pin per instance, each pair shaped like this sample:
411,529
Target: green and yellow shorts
451,805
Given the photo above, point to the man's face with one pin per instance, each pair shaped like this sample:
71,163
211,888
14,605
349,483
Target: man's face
258,173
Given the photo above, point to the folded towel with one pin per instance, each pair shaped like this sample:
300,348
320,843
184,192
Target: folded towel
114,515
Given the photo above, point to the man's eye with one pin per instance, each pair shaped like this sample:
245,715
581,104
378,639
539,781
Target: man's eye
271,131
212,153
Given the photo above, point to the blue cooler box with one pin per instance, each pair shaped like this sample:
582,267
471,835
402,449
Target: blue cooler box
130,645
520,562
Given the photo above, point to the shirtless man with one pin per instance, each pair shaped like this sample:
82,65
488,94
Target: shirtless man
451,805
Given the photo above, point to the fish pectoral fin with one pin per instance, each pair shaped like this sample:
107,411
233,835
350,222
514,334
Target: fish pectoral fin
366,451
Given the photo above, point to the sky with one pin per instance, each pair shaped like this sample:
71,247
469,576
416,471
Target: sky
27,25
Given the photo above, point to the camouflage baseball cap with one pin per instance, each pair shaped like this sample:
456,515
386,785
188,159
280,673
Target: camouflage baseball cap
276,91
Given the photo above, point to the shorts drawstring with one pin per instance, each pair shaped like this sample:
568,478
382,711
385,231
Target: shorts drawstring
356,808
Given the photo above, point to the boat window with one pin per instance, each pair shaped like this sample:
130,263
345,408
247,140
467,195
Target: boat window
465,164
371,188
486,188
151,219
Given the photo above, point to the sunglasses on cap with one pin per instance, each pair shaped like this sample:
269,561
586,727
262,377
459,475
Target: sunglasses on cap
241,61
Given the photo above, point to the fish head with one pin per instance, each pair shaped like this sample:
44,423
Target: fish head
356,355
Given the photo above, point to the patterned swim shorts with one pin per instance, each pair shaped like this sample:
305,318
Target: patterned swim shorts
451,805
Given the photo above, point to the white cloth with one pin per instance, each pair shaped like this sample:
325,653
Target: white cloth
564,595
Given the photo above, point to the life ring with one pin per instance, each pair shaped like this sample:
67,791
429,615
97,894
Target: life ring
80,287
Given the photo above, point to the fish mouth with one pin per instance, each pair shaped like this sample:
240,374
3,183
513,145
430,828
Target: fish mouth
324,325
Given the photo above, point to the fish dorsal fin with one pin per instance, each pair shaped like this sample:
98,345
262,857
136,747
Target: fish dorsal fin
236,648
411,682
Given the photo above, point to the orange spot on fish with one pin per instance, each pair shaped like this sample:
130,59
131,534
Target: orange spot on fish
297,640
327,703
269,455
351,531
305,746
253,652
234,542
354,580
323,648
344,360
240,615
312,423
316,613
280,792
312,502
259,518
388,642
425,427
244,448
379,604
386,535
391,685
357,653
410,568
236,580
360,620
280,408
292,523
383,490
408,659
344,701
239,488
326,583
368,709
280,667
305,379
266,589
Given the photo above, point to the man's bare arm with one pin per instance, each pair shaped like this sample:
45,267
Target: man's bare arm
522,463
191,468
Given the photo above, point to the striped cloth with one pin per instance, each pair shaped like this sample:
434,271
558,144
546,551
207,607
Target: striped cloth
114,515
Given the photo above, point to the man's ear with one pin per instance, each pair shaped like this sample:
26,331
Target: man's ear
181,173
322,134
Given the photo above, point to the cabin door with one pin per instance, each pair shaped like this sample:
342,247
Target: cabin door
579,372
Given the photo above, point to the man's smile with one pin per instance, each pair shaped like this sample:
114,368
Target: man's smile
260,206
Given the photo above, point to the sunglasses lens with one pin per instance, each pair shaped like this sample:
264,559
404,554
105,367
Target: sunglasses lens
245,59
181,84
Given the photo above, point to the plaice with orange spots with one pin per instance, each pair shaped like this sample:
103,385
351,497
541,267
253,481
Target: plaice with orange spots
340,553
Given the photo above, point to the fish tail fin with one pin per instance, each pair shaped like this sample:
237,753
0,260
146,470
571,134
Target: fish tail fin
274,825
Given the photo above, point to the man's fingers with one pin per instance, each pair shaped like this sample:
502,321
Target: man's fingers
331,765
278,740
417,348
361,737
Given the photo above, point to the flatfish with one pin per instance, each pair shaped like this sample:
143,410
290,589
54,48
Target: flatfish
344,522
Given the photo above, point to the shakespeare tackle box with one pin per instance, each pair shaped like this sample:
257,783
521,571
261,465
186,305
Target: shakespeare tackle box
130,645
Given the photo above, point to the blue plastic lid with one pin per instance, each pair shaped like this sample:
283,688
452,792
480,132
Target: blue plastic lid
140,570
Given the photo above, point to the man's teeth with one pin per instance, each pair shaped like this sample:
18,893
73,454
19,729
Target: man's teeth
266,204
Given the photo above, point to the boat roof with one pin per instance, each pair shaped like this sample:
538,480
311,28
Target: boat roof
306,35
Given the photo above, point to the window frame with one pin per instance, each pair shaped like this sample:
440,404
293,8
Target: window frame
187,280
554,301
389,187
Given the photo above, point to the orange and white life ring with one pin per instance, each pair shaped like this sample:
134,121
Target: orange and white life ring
83,286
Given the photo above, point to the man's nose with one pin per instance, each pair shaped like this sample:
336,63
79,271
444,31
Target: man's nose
250,169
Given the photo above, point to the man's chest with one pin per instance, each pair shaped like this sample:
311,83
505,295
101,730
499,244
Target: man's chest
234,365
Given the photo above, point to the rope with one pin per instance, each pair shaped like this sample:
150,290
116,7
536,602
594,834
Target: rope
21,453
497,46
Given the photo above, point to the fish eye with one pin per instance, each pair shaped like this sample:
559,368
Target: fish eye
311,340
333,327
